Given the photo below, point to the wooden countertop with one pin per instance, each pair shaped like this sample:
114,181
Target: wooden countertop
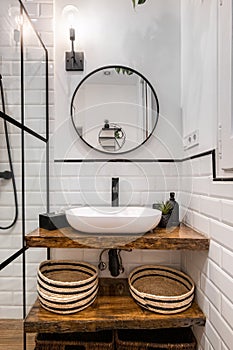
173,238
115,309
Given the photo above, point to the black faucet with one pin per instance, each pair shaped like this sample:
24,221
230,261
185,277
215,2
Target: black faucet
114,264
115,191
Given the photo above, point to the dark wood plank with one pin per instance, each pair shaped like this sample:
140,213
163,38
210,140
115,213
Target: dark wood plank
110,311
174,238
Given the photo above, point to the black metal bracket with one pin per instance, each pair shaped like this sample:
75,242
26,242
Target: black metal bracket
6,175
74,61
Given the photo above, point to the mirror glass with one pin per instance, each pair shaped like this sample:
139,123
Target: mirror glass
114,109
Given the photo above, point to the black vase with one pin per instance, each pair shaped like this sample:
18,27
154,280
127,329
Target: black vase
164,220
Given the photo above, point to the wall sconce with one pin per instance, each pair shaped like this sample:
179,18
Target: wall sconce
17,22
74,60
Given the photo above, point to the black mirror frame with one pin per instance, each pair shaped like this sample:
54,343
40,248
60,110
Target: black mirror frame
110,67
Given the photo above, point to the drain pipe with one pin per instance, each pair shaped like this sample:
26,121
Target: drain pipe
114,263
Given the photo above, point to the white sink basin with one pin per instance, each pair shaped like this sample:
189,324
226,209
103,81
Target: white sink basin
113,220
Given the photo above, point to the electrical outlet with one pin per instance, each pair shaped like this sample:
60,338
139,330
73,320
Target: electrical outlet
191,140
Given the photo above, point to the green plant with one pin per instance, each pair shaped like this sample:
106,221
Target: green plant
138,2
123,70
165,207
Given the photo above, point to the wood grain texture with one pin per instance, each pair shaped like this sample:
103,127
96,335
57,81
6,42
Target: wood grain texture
174,238
109,312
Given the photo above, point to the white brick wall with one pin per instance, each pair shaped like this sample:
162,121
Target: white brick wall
71,184
210,212
11,277
140,184
90,183
207,207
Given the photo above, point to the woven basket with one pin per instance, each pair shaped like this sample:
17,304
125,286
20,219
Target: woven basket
66,286
170,339
161,289
103,340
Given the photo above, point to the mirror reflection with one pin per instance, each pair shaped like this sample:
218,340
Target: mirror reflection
114,109
111,137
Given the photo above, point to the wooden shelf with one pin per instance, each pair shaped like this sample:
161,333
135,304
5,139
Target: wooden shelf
109,312
174,238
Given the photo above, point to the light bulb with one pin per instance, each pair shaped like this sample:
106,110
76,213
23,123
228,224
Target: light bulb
17,18
70,16
71,20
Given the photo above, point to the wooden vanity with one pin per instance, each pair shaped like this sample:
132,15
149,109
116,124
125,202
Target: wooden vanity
178,238
114,308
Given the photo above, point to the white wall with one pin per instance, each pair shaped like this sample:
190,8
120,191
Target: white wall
148,40
11,292
208,204
112,32
199,71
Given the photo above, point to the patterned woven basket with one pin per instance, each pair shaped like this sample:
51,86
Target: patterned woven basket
66,286
161,289
169,339
103,340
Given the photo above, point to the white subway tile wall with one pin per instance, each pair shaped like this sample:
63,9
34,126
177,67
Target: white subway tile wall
75,184
210,211
71,184
11,294
205,205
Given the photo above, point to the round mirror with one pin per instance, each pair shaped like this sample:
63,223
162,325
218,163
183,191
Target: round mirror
114,109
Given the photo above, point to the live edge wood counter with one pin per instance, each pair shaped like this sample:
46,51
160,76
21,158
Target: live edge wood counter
174,238
113,308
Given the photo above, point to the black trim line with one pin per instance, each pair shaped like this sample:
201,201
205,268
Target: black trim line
214,163
198,155
117,160
12,258
175,160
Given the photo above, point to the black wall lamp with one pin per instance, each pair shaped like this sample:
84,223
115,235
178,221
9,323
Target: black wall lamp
74,60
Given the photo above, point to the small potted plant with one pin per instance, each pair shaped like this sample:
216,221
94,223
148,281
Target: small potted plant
138,2
166,209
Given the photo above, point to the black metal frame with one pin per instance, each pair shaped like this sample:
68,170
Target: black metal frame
24,129
127,69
